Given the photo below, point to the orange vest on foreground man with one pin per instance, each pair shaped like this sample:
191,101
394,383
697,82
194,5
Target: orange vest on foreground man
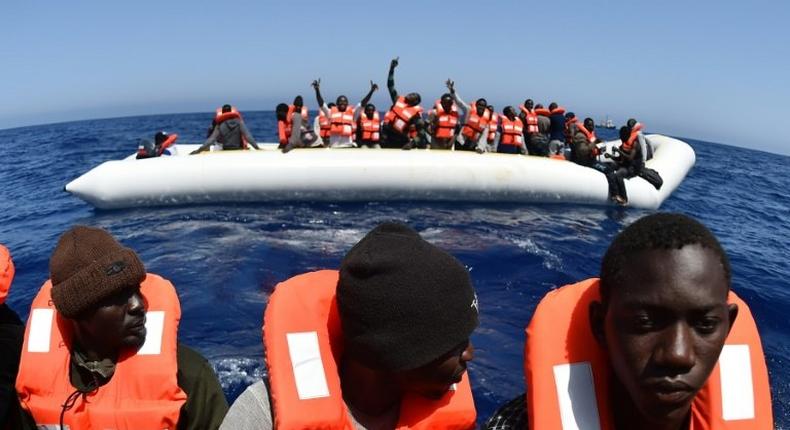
370,127
568,373
6,273
304,343
142,394
445,121
400,114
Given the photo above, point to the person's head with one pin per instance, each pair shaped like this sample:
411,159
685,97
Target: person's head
342,103
282,111
630,123
663,315
413,99
446,101
96,286
160,137
480,105
509,112
589,124
552,106
529,104
298,102
570,116
538,106
226,108
625,133
407,309
370,109
330,105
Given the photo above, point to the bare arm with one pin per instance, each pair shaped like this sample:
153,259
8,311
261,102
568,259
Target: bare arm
317,86
460,103
366,99
391,80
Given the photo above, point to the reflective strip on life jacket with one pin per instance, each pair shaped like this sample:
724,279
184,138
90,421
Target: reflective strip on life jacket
324,124
445,121
342,123
6,272
370,127
512,131
303,342
532,119
143,393
568,374
492,125
401,114
475,124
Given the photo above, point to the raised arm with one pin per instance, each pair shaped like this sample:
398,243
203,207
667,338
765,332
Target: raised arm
366,99
391,80
460,103
317,86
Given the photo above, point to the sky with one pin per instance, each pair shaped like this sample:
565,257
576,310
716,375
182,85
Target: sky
709,70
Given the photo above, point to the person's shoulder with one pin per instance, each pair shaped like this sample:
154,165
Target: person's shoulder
191,364
251,410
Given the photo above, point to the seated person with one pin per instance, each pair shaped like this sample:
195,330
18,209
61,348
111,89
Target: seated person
369,128
381,344
287,121
442,122
658,342
229,131
511,137
628,163
162,141
112,360
11,335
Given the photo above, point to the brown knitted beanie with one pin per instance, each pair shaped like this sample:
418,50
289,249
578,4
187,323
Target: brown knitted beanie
87,266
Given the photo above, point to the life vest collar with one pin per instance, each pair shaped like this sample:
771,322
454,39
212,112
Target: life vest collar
557,111
220,117
7,271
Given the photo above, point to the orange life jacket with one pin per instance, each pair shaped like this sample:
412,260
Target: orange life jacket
445,121
401,114
591,137
323,124
283,132
492,125
476,124
512,131
568,373
220,117
370,127
303,342
542,112
143,393
342,123
6,272
171,139
558,110
569,123
532,119
629,144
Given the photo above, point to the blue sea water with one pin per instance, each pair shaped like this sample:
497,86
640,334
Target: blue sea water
225,260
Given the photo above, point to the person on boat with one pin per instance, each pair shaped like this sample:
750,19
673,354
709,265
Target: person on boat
403,123
570,129
388,333
493,126
511,137
298,107
476,121
540,141
230,131
637,127
442,122
342,118
660,341
11,336
287,121
323,124
529,118
584,143
112,359
557,130
369,128
162,141
628,163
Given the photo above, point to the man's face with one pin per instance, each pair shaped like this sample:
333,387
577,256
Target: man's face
412,99
665,326
342,103
529,104
118,321
369,111
435,378
480,105
447,103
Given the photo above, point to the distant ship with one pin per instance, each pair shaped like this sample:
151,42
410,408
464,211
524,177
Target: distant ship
607,124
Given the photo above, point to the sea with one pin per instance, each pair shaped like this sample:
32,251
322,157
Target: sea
225,259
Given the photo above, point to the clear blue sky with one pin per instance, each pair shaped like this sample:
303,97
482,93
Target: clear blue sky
713,70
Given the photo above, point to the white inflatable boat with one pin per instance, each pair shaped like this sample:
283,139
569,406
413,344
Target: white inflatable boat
268,175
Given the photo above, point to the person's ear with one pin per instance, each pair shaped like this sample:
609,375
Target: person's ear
597,314
732,310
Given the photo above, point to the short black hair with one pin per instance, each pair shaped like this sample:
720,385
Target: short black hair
553,106
630,123
625,133
282,107
226,108
657,231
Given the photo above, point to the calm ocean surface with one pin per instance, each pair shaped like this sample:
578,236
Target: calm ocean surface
225,260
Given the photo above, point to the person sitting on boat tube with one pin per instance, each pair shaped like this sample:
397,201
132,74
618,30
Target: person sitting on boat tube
287,121
403,124
511,136
381,344
229,131
541,139
660,341
628,163
530,119
162,141
557,130
637,127
342,118
442,122
369,128
101,346
476,121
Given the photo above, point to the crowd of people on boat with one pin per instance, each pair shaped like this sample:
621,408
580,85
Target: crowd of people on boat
452,124
657,341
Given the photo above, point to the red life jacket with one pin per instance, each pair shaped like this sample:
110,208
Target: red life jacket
632,138
475,124
220,117
370,127
445,121
532,119
543,112
568,373
303,111
324,124
590,136
401,114
492,125
283,132
512,131
303,342
342,123
557,111
6,273
569,125
171,139
143,393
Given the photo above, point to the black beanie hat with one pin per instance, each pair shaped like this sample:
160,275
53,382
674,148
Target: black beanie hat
87,266
402,301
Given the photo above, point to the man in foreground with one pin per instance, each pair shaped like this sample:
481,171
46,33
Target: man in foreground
381,344
654,344
100,349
